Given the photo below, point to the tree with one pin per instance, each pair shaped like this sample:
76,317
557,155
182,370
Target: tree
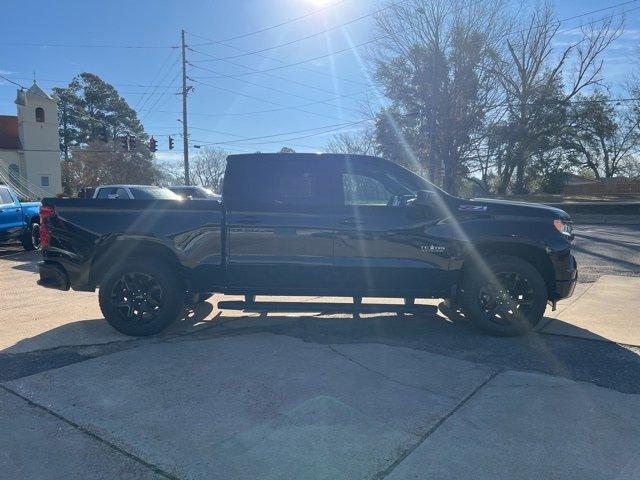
354,144
603,137
99,163
208,168
93,115
434,64
536,87
93,110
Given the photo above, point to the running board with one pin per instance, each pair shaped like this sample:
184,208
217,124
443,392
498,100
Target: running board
289,307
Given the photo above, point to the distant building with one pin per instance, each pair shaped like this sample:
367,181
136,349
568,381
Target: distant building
29,145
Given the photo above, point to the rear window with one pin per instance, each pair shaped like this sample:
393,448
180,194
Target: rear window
5,196
153,193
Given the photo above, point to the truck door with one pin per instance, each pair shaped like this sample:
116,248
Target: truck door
11,223
384,246
281,216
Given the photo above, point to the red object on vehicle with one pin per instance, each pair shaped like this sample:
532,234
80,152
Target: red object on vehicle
46,212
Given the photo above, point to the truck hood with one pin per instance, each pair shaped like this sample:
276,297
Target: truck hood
492,206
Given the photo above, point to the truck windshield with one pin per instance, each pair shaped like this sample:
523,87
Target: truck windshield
153,193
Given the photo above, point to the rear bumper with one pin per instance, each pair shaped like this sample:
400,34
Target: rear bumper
52,275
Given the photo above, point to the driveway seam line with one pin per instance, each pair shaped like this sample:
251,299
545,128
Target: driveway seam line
387,471
393,380
155,469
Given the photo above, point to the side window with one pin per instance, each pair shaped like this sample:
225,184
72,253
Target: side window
281,183
121,193
44,181
5,197
105,192
364,190
39,114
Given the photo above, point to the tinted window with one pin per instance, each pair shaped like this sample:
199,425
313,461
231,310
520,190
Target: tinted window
105,192
272,184
153,193
364,190
5,196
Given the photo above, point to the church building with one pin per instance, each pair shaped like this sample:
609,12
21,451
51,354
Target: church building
29,145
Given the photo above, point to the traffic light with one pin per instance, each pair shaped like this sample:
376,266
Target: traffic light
170,143
153,144
132,142
125,143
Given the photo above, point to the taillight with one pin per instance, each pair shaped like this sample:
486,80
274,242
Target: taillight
46,212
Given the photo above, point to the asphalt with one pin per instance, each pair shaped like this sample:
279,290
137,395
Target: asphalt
607,250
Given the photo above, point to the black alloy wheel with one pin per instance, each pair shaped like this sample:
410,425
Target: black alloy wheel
137,296
142,296
506,297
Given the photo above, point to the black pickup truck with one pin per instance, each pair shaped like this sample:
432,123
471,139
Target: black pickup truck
310,224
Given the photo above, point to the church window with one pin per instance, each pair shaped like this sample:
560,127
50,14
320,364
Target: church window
44,181
39,114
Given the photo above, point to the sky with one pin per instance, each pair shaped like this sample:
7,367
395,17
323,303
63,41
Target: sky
235,104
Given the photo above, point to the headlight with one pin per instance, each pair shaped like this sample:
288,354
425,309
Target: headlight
563,227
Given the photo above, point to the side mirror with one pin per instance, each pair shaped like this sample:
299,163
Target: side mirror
424,198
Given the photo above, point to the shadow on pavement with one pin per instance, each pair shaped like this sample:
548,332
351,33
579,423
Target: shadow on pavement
78,341
602,363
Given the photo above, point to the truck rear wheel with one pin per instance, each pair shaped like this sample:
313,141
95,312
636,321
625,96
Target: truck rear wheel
506,296
141,298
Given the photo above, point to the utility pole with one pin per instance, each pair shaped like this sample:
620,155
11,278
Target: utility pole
65,139
185,134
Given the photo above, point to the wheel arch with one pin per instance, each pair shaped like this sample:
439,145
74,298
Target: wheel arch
121,250
535,255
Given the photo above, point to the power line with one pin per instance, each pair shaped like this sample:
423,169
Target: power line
377,39
48,80
165,61
76,45
281,24
279,77
259,99
273,89
313,35
241,138
332,128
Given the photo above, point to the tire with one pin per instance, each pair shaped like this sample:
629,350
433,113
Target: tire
141,298
505,297
31,237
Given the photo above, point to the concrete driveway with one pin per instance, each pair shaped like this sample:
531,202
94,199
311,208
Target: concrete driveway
234,396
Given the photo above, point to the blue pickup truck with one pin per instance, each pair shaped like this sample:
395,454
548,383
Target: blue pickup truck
19,221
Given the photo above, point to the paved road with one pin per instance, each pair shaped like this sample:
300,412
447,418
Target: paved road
607,250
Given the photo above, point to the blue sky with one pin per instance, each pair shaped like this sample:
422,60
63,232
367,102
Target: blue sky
234,106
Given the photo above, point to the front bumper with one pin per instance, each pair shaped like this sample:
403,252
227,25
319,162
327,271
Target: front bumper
566,273
52,275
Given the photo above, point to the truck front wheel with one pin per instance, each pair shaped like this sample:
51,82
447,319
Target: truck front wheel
142,297
503,295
